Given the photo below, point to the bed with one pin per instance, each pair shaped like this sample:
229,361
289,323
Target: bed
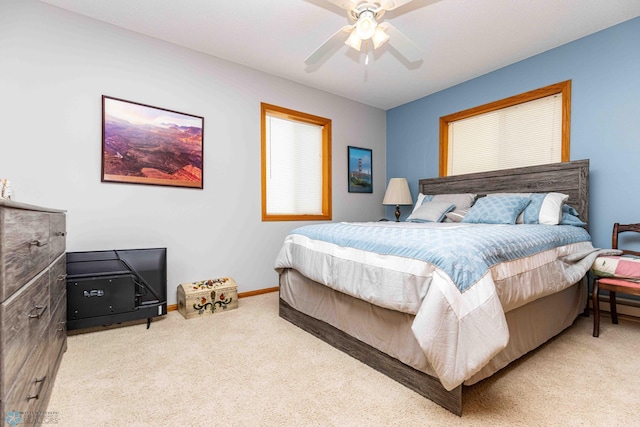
436,325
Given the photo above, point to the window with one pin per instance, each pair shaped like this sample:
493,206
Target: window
296,165
525,130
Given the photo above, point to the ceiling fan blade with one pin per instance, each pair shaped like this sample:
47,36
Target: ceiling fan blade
335,40
402,44
345,4
389,4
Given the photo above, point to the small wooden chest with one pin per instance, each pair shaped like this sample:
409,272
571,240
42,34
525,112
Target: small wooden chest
207,297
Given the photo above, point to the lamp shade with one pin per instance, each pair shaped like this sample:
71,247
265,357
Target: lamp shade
379,37
397,193
354,41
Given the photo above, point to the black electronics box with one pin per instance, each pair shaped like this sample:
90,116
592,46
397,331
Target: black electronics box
115,286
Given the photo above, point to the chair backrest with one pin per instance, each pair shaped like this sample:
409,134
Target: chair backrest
622,228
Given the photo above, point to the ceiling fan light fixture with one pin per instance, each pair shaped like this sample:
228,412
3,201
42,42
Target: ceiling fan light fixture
379,37
354,40
364,15
366,25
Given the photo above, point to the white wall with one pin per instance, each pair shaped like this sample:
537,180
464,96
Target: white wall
54,68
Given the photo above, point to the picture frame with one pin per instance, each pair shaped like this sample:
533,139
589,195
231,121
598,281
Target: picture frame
360,173
143,144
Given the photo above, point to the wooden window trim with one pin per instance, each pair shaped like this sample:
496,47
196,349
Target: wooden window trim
563,88
285,113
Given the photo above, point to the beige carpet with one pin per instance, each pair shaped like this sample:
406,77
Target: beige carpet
248,367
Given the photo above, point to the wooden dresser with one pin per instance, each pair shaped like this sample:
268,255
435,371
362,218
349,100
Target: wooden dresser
33,311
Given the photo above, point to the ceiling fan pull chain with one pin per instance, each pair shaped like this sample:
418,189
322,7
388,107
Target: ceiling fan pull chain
366,50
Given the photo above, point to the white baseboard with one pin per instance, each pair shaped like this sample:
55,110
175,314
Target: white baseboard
625,306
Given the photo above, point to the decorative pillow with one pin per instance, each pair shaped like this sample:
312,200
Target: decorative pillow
431,212
496,210
544,208
421,199
461,200
457,215
570,217
570,210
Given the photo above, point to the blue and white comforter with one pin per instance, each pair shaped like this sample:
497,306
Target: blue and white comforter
457,279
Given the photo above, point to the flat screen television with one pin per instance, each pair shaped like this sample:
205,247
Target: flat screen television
115,286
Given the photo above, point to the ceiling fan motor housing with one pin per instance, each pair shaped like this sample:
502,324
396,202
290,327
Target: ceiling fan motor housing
358,10
366,25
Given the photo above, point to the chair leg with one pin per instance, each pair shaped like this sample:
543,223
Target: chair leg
596,308
614,310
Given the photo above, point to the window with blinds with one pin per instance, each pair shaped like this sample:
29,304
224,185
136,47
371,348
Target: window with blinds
296,165
525,130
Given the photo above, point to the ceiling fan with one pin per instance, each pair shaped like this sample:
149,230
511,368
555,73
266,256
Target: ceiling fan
366,28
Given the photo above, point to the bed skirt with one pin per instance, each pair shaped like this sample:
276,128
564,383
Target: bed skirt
380,330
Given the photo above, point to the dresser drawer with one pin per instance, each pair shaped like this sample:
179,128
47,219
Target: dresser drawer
24,247
25,318
58,330
57,235
28,393
57,280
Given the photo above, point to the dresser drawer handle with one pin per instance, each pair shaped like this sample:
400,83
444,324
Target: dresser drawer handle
37,395
37,308
38,243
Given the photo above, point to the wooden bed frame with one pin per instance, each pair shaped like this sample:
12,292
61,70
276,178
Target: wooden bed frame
570,178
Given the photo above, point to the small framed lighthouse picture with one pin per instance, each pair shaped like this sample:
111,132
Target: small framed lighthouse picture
360,170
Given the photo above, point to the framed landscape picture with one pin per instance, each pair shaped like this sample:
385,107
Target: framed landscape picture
142,144
360,173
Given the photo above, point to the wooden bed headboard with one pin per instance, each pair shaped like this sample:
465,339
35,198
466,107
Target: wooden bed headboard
570,178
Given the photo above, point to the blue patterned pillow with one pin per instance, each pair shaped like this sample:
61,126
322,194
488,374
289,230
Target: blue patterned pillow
570,217
496,210
570,210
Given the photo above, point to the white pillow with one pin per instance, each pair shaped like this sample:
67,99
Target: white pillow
550,211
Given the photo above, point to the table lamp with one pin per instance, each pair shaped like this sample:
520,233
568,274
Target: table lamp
397,194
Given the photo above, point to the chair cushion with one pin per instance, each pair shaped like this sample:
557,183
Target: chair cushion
621,283
623,267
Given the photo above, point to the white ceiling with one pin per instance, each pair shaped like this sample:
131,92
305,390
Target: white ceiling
460,39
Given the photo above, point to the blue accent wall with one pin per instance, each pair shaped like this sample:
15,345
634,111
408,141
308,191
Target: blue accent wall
605,119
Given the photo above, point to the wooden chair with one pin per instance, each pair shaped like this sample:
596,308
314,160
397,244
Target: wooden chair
615,274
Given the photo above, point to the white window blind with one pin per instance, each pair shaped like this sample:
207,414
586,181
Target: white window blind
526,134
294,167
